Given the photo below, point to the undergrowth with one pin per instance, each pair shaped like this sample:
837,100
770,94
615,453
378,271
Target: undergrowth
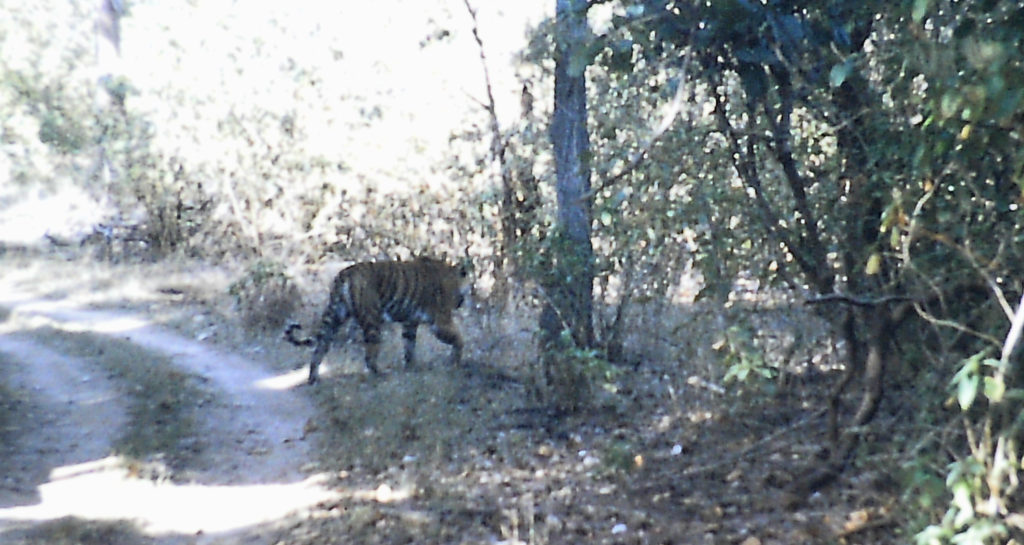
408,418
9,407
75,531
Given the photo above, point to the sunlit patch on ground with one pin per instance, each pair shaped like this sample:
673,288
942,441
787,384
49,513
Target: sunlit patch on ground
283,381
106,490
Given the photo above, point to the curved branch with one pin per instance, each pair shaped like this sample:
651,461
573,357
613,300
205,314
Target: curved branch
745,166
858,301
780,124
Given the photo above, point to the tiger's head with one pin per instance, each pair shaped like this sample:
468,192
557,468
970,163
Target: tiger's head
456,281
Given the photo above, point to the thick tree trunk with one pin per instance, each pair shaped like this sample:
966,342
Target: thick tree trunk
571,291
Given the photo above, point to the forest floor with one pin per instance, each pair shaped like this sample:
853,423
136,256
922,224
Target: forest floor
136,409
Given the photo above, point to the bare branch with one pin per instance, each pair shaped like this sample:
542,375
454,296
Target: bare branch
1013,337
779,120
746,167
857,301
498,144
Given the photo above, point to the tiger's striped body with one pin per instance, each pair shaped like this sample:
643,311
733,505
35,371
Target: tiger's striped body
423,291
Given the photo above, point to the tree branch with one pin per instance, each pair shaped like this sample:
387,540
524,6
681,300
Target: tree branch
746,168
498,143
858,301
499,149
780,124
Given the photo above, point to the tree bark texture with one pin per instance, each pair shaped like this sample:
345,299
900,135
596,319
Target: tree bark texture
571,289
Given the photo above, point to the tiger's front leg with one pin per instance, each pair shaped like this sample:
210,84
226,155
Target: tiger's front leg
371,344
409,336
448,334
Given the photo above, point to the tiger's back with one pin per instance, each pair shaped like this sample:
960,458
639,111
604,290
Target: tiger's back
423,291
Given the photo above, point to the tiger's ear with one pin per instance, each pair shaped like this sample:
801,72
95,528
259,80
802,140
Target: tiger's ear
465,263
465,267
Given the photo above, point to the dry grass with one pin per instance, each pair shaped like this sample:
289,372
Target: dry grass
12,411
664,453
419,418
265,297
74,531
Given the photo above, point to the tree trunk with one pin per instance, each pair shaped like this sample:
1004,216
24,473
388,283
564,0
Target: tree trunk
107,100
570,289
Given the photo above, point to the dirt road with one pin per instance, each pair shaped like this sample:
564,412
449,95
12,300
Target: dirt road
253,469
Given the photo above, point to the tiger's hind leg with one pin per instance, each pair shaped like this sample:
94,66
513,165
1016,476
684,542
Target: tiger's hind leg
329,325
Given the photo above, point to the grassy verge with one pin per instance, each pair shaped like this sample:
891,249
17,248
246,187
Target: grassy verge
9,403
75,531
400,416
415,446
163,401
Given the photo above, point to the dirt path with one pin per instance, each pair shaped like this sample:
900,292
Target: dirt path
255,451
73,414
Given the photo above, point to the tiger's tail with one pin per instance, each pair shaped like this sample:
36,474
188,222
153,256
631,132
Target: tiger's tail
289,335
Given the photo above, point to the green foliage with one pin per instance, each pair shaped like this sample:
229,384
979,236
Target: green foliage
567,373
969,156
893,169
593,363
620,456
981,484
44,100
62,132
571,373
972,380
744,359
869,148
922,488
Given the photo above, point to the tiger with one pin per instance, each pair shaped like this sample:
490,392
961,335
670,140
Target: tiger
421,291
